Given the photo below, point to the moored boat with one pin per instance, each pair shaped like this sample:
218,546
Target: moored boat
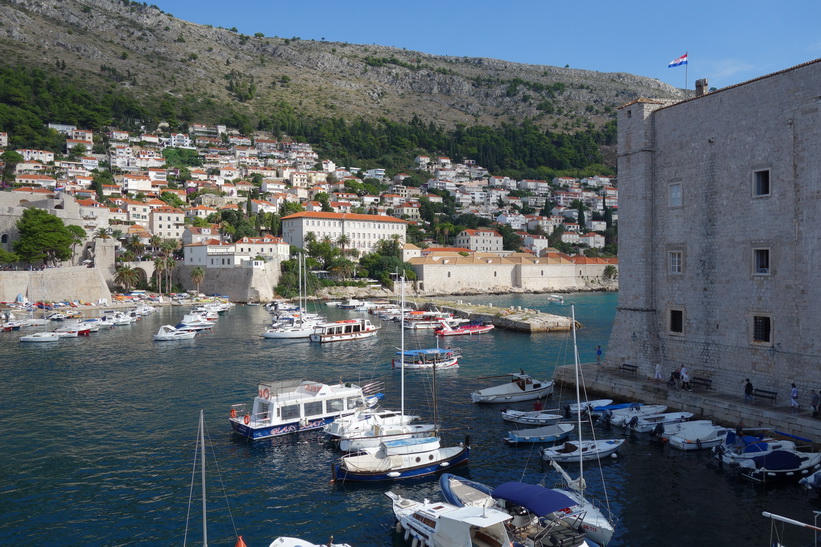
462,330
340,331
521,387
544,434
40,337
531,417
168,333
428,358
780,466
581,451
656,422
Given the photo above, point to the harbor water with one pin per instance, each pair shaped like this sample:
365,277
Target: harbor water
99,436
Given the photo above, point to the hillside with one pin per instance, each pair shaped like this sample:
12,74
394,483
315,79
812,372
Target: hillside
193,71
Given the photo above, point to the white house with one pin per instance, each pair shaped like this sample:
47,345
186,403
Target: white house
482,239
364,232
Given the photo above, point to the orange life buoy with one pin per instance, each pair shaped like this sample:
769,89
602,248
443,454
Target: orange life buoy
265,393
247,419
233,412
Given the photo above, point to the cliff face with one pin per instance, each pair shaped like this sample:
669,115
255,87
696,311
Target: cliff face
153,54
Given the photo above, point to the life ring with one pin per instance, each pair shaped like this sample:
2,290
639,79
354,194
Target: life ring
266,394
247,419
233,412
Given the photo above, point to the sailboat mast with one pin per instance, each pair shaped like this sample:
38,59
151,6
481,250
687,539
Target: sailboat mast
402,344
202,456
578,398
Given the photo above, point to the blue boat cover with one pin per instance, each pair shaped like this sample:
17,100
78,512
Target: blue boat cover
538,500
431,351
778,460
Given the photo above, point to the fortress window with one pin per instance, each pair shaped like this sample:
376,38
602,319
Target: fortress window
761,261
677,321
674,194
761,183
675,262
762,329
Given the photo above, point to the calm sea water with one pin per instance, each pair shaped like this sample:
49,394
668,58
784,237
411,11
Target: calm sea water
98,439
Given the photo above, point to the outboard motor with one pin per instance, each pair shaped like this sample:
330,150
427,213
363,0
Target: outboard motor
606,416
633,421
658,431
567,411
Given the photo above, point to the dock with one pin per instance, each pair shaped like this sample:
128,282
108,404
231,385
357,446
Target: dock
514,318
722,408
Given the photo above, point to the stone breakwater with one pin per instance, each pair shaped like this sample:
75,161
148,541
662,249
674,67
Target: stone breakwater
66,283
512,318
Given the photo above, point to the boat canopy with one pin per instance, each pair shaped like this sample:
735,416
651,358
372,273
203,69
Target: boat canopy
538,500
778,460
422,352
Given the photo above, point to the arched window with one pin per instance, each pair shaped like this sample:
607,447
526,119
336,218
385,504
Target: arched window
4,238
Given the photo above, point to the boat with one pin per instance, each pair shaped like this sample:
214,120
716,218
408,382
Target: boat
299,326
168,333
194,321
656,422
575,451
695,435
521,387
598,525
430,320
780,466
37,337
288,406
462,330
428,358
349,304
623,415
284,541
539,514
736,448
346,329
73,329
439,524
587,406
545,434
531,417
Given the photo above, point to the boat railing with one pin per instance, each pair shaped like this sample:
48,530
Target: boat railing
777,533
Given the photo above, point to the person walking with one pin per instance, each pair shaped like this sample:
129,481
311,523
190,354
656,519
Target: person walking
685,380
816,398
598,354
794,399
657,377
748,391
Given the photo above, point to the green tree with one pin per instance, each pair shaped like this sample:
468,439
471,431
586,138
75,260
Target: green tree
127,277
43,237
10,160
159,268
197,276
78,235
7,257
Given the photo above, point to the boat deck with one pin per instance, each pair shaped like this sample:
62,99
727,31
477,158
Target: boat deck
722,408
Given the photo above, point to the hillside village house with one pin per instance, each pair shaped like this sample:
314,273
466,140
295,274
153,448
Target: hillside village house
244,253
730,291
166,222
363,231
483,240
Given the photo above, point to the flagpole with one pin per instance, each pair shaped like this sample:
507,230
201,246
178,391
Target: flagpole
686,69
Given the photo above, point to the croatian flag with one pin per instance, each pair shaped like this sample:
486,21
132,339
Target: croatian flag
678,62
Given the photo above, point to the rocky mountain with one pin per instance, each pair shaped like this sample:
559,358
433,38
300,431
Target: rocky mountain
106,43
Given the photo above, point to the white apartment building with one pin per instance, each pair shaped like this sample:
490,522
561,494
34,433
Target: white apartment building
363,231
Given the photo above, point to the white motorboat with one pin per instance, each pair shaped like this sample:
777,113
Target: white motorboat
439,524
428,358
621,416
545,434
575,451
695,435
531,417
588,406
289,406
656,422
169,332
40,337
780,466
521,387
195,322
737,448
284,541
346,329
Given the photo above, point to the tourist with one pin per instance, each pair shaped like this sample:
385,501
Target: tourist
657,377
598,354
748,391
537,406
816,398
794,399
685,380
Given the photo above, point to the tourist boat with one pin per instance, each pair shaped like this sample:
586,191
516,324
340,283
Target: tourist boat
623,415
40,337
575,451
737,448
545,434
168,333
349,304
539,515
340,331
695,435
521,387
289,406
425,319
780,465
656,422
429,358
470,328
531,417
439,524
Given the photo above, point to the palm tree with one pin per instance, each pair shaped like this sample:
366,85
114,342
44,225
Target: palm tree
155,242
197,275
127,277
343,240
159,266
102,233
170,264
135,243
168,247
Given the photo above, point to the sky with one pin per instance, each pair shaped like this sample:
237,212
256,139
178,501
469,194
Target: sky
727,41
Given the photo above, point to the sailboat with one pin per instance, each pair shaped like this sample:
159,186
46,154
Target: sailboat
44,335
299,327
404,455
596,524
279,542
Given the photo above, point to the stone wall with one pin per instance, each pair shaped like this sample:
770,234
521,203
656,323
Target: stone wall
66,283
711,146
238,284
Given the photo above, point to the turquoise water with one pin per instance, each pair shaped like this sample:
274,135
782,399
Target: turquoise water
99,434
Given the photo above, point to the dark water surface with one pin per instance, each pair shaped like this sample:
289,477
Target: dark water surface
98,439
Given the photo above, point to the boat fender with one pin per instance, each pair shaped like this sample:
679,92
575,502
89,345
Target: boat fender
233,412
247,419
698,443
266,394
303,423
633,421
